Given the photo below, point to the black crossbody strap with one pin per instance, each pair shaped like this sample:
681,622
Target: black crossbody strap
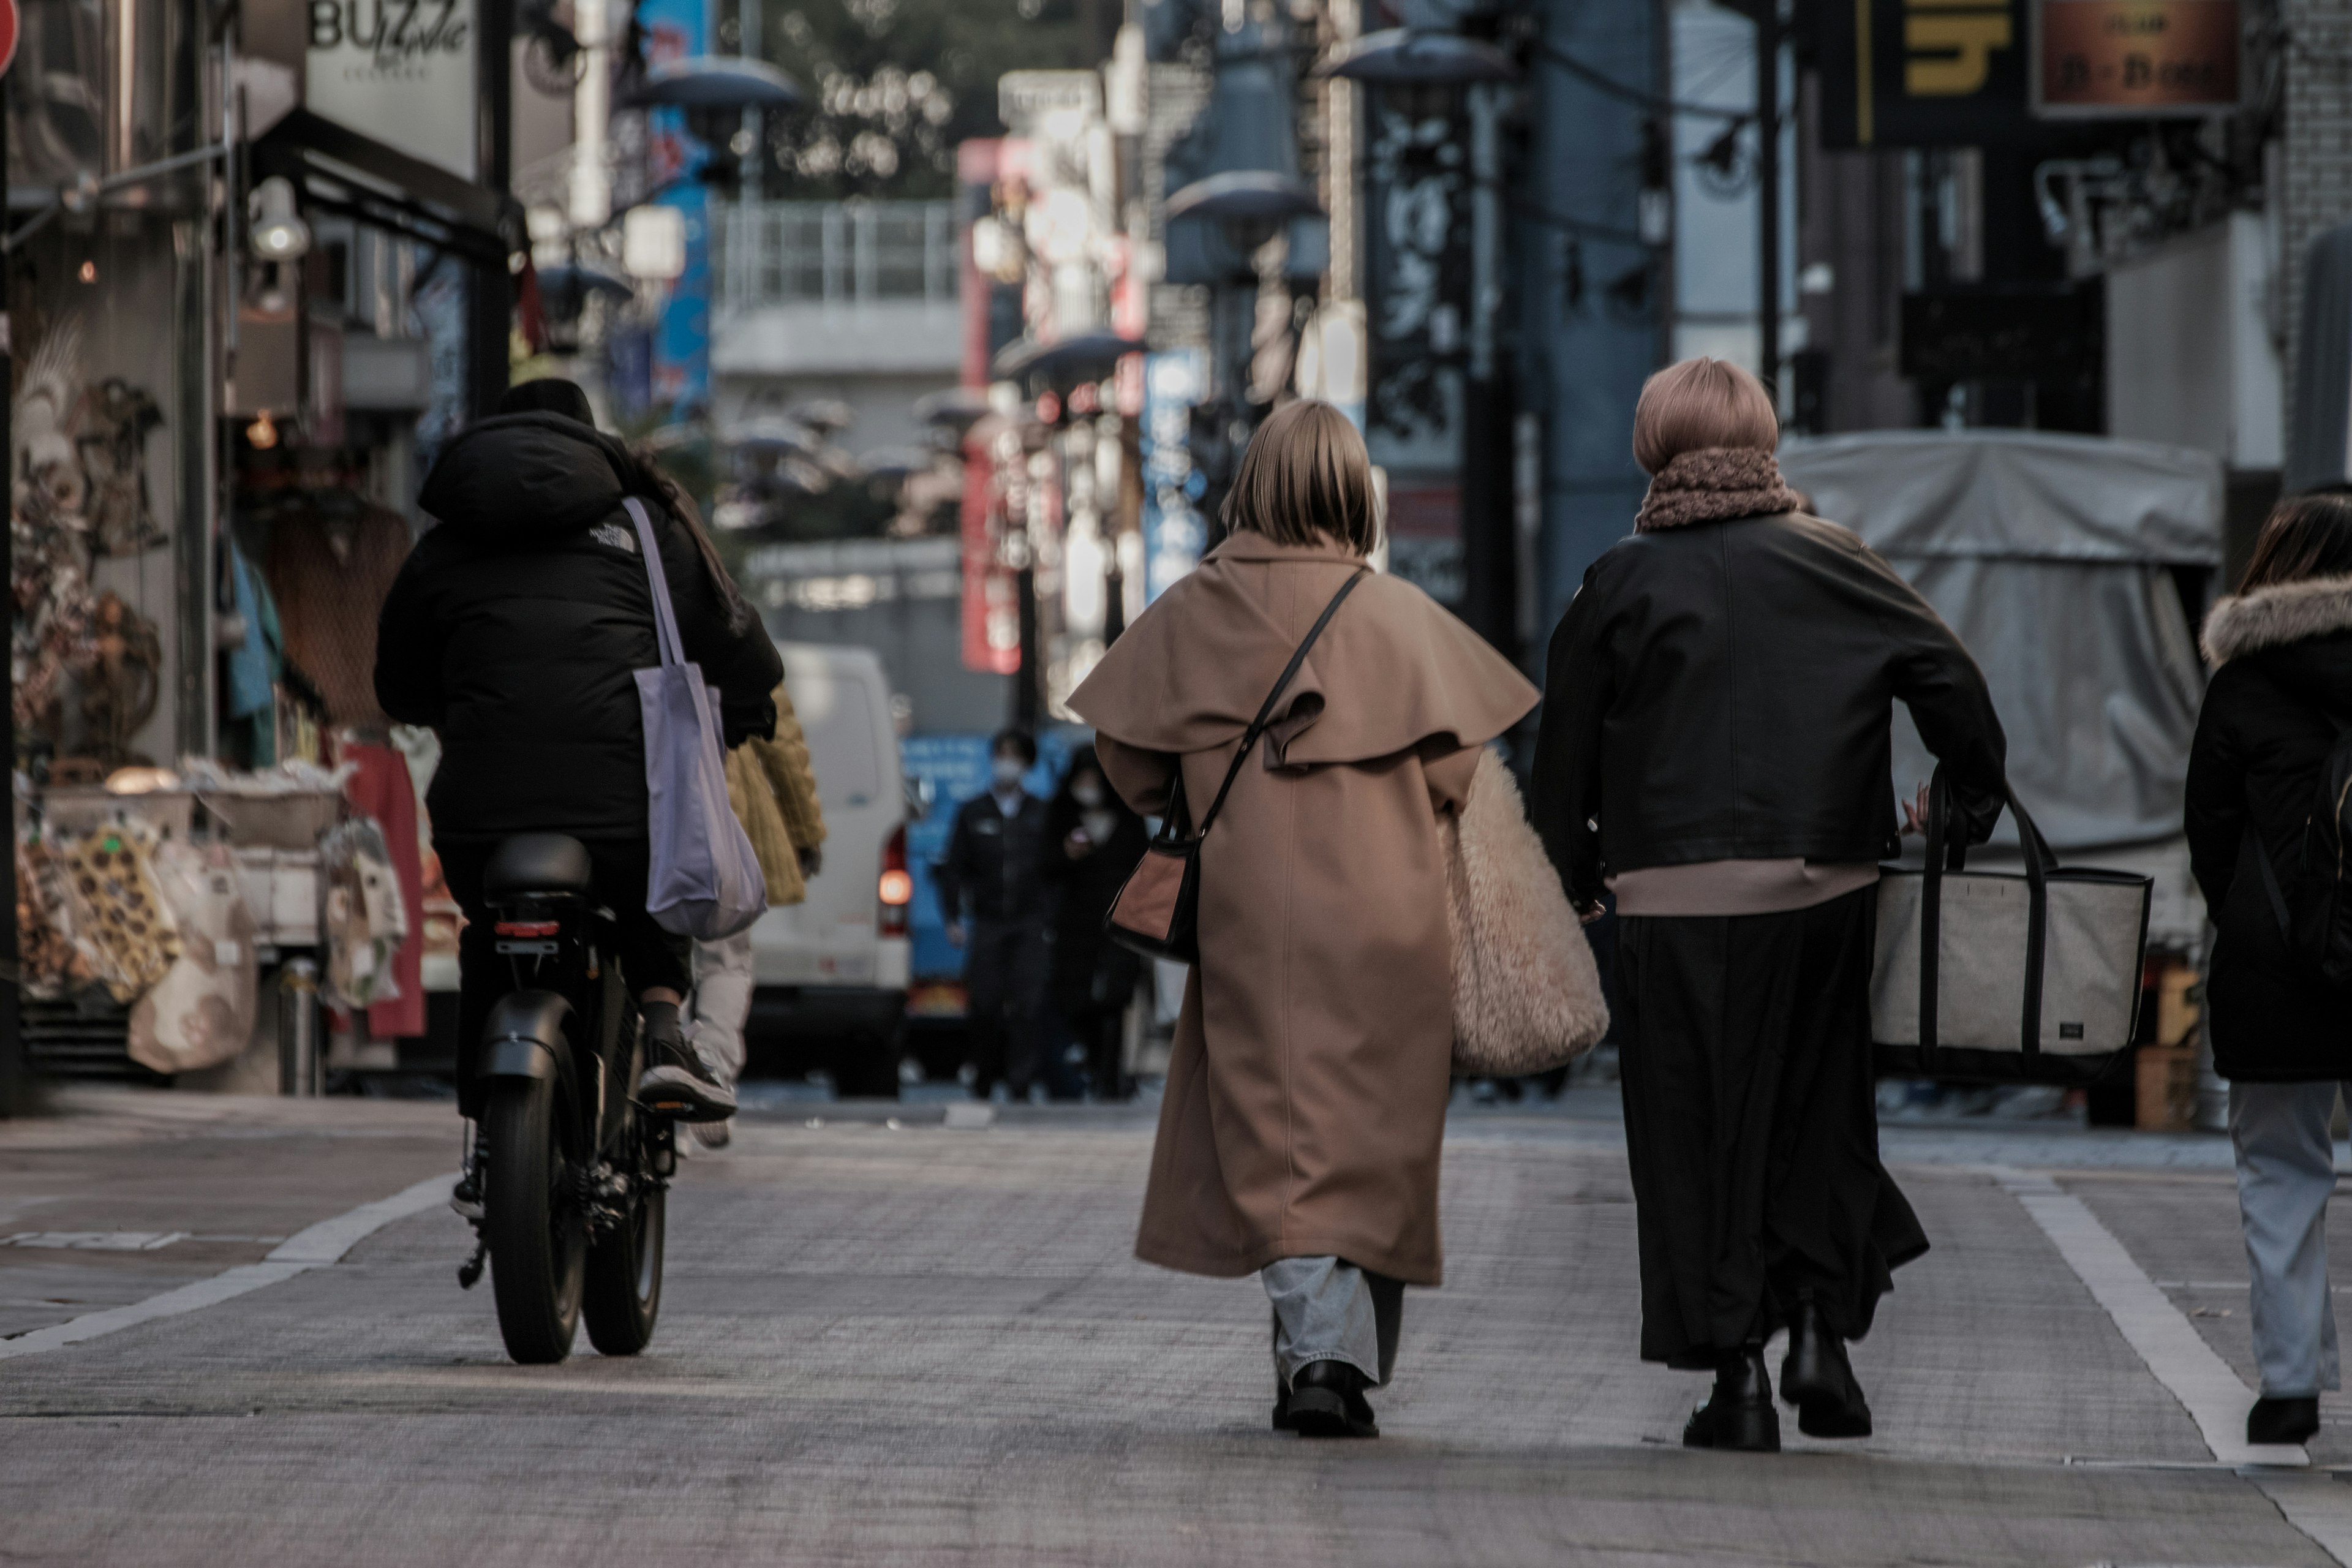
1265,710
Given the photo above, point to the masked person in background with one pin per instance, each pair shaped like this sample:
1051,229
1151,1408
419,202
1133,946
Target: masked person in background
774,792
994,904
1092,842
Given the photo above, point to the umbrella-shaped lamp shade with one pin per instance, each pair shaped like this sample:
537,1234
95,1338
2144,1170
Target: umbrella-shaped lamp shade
716,81
956,410
772,436
897,462
823,414
1408,57
1256,196
1089,356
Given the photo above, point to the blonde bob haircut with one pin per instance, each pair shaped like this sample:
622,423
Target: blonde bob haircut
1702,403
1306,480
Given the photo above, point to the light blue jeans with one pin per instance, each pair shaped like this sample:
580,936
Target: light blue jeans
2286,1171
1326,1308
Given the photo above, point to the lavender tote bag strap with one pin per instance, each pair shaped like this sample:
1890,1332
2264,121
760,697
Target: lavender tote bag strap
706,881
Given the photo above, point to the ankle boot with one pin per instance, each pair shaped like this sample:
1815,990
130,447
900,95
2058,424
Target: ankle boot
1817,1378
1739,1413
1327,1400
2276,1420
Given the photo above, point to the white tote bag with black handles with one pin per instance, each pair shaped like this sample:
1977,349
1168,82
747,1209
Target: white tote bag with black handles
2005,977
706,881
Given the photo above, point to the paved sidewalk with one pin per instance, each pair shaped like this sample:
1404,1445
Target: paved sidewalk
918,1344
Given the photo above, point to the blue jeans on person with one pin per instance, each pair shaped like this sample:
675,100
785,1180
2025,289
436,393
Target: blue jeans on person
1327,1309
2286,1172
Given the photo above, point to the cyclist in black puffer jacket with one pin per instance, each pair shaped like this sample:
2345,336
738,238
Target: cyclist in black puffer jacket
514,631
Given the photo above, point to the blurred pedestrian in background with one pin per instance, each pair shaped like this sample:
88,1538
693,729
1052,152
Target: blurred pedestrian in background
773,791
1092,842
1305,1099
1715,751
992,894
2279,703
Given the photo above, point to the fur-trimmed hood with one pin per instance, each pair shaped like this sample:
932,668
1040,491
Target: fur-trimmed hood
2269,618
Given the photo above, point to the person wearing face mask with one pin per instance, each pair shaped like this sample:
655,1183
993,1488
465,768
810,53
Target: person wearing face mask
1092,842
995,906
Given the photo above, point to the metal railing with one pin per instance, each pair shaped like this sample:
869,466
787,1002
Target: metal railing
833,253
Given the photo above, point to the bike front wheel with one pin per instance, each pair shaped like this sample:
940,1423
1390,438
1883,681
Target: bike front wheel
537,1238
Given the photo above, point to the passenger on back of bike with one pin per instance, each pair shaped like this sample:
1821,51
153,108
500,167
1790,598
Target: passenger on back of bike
514,631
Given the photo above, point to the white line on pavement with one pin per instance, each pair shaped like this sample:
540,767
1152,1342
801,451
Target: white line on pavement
323,1243
2178,1354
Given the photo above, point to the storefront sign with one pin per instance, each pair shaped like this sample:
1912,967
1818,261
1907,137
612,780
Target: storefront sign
1416,297
2098,58
1174,532
678,29
1925,73
401,72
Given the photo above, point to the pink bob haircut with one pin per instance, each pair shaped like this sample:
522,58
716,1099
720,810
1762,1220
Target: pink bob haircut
1701,402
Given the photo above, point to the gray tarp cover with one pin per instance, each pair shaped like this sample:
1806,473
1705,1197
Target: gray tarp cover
2047,554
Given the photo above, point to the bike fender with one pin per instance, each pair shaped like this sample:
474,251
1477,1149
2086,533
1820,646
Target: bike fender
525,1036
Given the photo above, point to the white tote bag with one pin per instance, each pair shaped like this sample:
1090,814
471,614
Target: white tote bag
2006,977
706,880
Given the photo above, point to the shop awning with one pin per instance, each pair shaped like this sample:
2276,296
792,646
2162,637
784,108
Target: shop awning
2052,558
342,171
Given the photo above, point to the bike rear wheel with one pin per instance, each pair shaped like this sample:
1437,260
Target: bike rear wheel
625,1266
537,1240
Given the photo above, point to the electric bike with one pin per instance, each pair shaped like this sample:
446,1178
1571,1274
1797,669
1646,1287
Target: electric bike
573,1173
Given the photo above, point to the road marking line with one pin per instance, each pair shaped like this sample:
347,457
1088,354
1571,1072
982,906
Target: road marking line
2313,1502
322,1244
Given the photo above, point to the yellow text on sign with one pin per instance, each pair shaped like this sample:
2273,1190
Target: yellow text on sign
1948,44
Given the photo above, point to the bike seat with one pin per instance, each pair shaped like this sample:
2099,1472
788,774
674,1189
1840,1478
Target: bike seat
536,863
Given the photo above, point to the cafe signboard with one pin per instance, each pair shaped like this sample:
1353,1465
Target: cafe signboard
2133,58
401,72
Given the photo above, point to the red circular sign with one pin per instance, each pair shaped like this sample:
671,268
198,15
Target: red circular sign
8,31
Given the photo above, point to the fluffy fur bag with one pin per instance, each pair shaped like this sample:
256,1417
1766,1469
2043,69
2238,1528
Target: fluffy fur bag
1526,995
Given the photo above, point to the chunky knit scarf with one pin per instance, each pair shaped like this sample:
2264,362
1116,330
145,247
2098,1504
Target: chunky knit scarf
1712,484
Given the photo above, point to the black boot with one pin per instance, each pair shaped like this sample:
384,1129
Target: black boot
1282,1421
680,1084
2274,1420
1327,1400
1819,1380
1739,1415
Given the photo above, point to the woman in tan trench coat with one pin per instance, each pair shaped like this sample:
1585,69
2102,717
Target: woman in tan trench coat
1305,1098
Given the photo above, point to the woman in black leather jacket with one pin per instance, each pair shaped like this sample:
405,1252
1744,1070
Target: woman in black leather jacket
2279,703
1714,752
514,631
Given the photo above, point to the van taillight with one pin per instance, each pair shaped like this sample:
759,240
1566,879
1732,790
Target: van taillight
897,888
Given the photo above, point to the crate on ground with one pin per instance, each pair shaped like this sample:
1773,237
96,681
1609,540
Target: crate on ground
281,889
2166,1088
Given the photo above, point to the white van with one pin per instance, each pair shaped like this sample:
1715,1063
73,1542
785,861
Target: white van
830,973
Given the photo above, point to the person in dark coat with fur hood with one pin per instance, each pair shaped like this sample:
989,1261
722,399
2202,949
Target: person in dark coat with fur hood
514,631
1714,752
2280,699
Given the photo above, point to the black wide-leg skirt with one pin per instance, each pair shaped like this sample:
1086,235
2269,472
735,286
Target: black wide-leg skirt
1752,1126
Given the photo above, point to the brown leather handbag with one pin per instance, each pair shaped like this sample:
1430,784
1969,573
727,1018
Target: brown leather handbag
1157,911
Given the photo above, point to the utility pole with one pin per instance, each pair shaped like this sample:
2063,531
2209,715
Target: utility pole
1768,194
15,1067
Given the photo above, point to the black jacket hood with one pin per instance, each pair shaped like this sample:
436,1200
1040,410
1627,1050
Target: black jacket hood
520,477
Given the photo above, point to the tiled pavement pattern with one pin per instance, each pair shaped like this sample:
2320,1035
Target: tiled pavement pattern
923,1345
